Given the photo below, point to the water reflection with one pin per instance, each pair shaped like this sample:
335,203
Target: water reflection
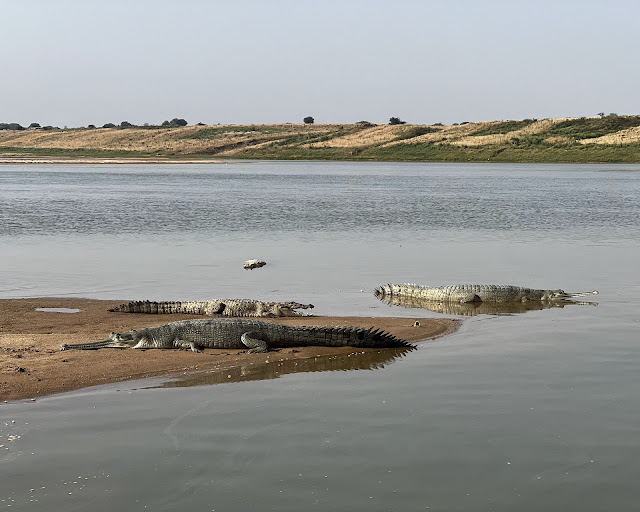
478,308
365,360
58,310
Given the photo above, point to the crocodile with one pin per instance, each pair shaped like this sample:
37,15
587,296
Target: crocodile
478,308
223,307
228,333
464,293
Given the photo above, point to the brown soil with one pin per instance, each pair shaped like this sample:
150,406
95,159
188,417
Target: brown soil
32,365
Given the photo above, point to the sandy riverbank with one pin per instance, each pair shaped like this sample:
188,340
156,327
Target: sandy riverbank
110,161
32,365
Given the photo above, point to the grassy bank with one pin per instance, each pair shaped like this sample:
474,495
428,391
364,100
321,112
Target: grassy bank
596,139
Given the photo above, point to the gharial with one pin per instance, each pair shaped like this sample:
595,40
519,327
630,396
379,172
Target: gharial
463,293
230,333
479,308
223,307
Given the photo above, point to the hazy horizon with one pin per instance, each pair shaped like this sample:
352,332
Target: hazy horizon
76,63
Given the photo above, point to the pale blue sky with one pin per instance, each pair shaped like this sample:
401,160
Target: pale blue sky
86,61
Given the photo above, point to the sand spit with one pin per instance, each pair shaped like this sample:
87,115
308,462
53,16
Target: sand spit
32,365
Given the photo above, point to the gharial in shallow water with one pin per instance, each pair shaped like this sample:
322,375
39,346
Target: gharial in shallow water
478,308
464,293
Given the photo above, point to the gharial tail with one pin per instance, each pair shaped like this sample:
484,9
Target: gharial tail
397,289
162,308
371,337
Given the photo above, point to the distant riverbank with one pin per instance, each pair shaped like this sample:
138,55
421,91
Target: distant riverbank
609,138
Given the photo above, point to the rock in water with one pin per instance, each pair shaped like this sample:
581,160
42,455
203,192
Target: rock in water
251,264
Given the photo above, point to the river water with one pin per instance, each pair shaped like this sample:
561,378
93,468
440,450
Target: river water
533,411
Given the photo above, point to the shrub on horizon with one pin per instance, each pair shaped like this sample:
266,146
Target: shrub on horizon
175,122
11,126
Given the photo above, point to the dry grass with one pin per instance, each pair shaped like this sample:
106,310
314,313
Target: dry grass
239,149
502,138
559,140
446,133
622,137
130,139
287,140
165,140
374,136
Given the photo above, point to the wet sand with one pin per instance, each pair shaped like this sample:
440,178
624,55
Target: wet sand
32,365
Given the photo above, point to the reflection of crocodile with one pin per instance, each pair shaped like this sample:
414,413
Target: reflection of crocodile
361,360
238,333
476,308
224,307
464,293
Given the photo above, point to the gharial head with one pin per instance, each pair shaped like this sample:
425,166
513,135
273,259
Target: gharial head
554,295
116,340
562,295
124,339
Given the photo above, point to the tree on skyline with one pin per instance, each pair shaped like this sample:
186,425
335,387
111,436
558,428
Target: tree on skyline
174,122
396,120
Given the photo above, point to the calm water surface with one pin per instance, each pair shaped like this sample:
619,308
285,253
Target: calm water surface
533,411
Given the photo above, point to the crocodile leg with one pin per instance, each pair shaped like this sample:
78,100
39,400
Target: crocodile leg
188,344
255,344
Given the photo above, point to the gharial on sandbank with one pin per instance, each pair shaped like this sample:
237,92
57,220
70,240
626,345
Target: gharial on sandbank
230,333
221,307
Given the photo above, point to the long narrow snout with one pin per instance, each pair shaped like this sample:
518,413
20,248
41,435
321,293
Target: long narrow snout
580,294
92,346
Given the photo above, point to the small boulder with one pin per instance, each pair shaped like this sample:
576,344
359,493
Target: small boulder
251,264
